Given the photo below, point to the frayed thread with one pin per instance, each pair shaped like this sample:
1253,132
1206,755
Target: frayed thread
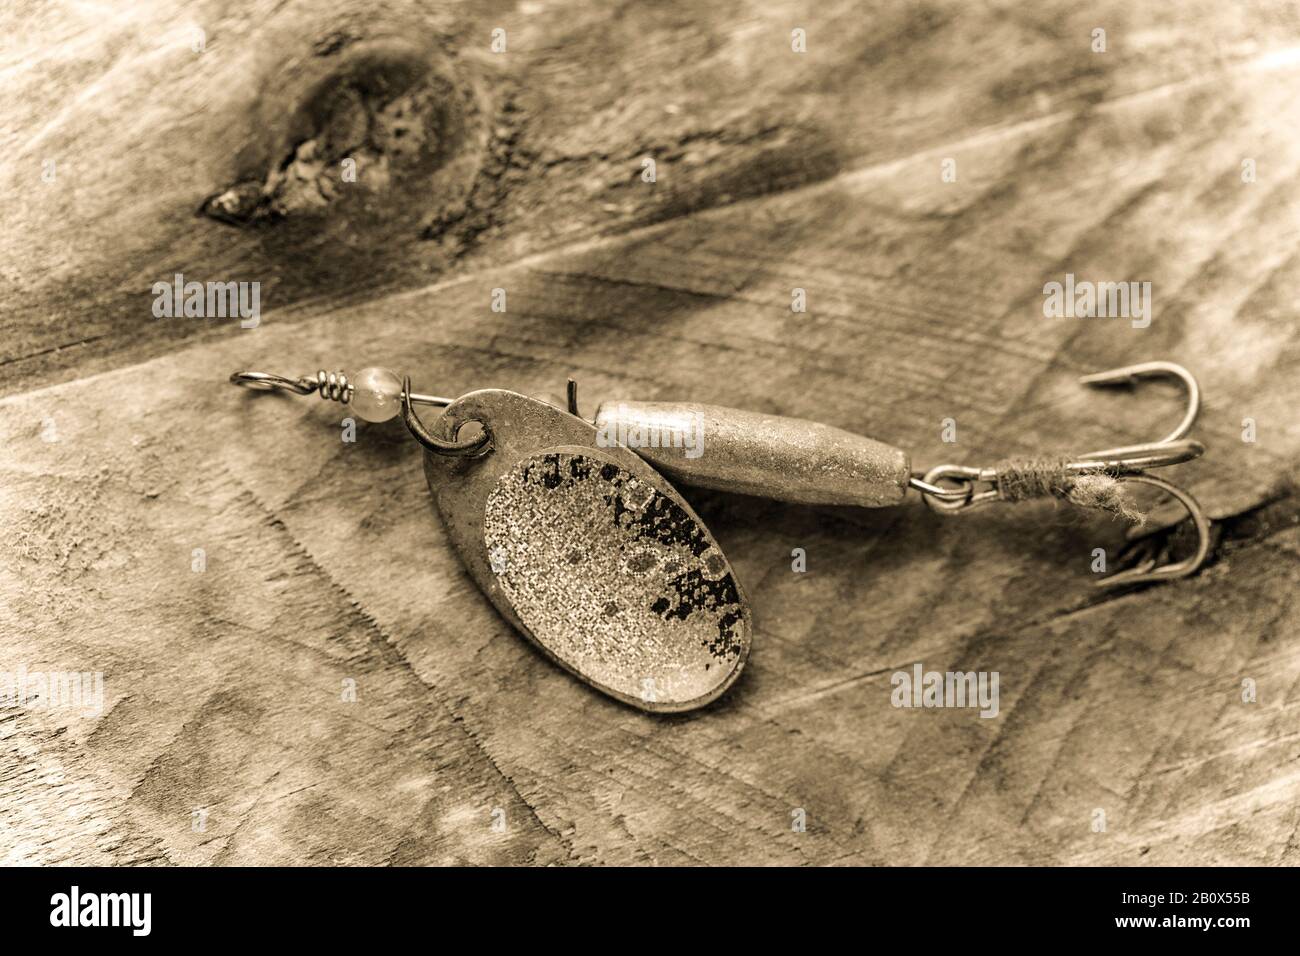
1020,479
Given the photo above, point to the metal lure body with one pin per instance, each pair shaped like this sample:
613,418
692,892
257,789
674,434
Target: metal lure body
770,456
569,529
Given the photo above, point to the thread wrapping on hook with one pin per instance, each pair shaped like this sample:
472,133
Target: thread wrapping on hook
1020,479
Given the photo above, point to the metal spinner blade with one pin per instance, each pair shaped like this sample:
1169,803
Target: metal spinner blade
591,554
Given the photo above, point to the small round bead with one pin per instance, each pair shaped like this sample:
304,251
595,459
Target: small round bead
376,394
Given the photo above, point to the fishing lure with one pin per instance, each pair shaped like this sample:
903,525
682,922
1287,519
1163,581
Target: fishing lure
574,533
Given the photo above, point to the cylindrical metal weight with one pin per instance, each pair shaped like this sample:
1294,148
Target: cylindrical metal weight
772,456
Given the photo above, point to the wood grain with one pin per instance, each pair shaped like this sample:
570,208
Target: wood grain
126,449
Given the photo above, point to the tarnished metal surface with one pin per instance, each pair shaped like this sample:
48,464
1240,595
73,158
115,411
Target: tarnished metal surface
591,554
613,576
729,449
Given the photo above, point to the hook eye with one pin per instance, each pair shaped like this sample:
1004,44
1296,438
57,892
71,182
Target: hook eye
1147,570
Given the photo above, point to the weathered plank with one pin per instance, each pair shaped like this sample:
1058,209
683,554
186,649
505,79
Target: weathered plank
117,130
324,562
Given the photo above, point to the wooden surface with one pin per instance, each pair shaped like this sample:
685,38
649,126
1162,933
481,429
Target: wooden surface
125,449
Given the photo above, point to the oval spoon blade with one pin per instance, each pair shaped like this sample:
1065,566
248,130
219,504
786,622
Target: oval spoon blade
591,554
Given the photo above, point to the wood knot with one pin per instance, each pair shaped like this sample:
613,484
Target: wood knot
375,139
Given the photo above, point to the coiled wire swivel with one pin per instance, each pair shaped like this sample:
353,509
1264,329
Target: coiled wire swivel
332,386
953,489
335,387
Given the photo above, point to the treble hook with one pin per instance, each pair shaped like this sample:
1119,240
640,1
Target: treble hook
1122,463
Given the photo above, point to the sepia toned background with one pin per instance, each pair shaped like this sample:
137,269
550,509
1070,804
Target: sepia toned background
205,139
